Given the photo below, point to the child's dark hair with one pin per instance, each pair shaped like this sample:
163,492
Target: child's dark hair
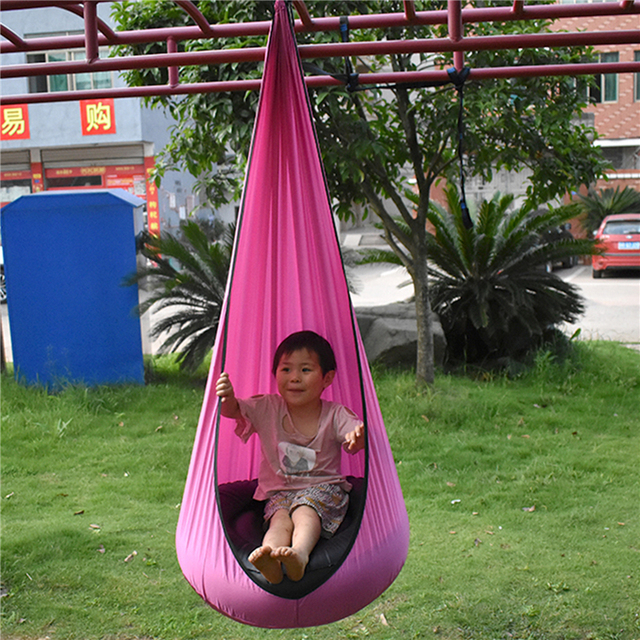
307,340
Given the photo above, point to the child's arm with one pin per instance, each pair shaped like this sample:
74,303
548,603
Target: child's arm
229,406
354,440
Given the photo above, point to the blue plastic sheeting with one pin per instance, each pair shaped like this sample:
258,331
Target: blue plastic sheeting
66,254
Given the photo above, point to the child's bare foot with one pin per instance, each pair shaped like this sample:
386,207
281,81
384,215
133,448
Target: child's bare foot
294,562
267,565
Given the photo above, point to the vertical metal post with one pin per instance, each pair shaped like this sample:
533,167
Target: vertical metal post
172,47
409,10
454,22
91,30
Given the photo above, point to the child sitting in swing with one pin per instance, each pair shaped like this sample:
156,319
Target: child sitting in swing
301,436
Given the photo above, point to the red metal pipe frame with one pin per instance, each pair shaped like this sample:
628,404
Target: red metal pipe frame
12,37
174,72
454,23
303,12
91,30
455,17
391,78
491,14
409,10
108,32
383,47
195,13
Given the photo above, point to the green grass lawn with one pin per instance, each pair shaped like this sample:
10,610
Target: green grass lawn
523,497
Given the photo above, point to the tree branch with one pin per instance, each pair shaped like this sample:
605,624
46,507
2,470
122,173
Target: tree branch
386,218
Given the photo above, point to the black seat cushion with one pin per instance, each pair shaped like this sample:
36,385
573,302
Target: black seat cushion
243,519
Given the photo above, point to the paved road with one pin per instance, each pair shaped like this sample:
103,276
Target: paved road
612,303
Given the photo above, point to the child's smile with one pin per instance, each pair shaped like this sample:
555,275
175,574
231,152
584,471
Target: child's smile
300,378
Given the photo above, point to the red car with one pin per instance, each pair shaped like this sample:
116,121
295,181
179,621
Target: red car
619,236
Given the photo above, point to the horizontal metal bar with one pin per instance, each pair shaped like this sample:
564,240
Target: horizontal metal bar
491,14
391,78
384,47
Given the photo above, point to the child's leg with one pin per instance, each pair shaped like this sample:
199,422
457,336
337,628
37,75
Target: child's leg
278,535
306,533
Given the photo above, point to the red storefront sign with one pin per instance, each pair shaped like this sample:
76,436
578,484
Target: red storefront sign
97,116
15,175
75,172
14,122
131,178
153,212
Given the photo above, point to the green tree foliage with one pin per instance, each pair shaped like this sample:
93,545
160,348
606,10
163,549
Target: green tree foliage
606,202
384,147
185,277
489,284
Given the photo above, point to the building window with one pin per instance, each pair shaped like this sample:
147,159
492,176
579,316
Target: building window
68,82
605,85
636,57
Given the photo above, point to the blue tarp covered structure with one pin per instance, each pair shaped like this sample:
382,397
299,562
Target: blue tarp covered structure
66,254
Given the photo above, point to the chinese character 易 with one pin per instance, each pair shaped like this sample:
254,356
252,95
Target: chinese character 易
13,123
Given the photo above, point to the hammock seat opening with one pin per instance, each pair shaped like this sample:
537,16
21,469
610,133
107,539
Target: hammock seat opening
243,519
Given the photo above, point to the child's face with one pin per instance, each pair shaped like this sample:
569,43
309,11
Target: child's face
300,379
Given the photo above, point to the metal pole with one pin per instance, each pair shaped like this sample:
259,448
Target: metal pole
91,30
409,77
385,47
490,14
455,31
172,47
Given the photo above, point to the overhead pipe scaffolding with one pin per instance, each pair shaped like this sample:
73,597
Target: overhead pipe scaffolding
97,33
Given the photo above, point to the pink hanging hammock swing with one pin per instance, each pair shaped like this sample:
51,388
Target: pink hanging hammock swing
287,275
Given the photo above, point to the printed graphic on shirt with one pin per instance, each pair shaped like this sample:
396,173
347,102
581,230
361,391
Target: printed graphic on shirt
296,460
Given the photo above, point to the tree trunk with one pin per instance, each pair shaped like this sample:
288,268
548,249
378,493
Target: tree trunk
425,372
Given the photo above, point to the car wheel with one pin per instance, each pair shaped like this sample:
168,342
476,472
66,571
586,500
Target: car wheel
596,273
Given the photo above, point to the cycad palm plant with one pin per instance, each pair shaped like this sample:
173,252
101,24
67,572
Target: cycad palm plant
186,278
489,284
608,201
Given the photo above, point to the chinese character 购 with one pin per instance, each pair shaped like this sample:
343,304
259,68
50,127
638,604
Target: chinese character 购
98,115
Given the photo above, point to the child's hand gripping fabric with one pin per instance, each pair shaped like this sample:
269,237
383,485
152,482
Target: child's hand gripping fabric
228,404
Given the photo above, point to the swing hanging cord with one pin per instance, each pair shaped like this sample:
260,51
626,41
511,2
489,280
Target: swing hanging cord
350,75
458,80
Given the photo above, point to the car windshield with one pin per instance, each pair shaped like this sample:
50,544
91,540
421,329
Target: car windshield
622,227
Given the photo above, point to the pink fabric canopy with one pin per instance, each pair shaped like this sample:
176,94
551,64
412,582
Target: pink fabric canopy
286,276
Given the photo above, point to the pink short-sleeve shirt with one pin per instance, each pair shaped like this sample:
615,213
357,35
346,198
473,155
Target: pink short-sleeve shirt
292,461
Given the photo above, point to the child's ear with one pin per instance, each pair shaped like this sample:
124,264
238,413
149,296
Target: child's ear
328,378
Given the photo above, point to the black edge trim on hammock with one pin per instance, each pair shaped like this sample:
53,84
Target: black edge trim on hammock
287,588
